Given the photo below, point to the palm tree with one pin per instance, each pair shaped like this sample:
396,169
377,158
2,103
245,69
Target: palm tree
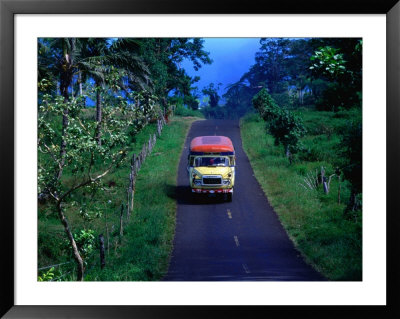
125,54
94,64
99,56
57,60
47,72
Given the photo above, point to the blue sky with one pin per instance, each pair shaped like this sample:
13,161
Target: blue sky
232,58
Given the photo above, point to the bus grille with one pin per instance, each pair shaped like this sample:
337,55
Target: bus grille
212,181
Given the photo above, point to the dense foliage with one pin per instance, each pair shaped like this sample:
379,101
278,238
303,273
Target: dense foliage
325,73
130,83
321,74
317,222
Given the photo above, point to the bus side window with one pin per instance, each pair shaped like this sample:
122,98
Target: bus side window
191,160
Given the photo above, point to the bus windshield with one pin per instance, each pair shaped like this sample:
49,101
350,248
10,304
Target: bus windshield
211,161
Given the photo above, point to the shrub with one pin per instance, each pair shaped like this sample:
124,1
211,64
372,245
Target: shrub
265,105
286,127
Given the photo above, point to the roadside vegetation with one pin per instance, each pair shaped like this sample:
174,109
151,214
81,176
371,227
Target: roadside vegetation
315,221
305,146
108,150
142,253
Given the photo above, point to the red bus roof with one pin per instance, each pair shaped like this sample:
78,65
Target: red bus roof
211,144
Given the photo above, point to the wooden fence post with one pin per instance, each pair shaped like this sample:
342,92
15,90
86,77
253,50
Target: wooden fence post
128,196
162,117
159,127
102,257
132,182
137,165
144,155
150,144
130,189
133,191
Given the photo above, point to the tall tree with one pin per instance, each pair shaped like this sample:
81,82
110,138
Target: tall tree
164,56
271,61
94,64
102,57
212,91
339,61
238,97
62,64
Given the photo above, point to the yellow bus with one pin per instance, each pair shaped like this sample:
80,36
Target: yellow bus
211,165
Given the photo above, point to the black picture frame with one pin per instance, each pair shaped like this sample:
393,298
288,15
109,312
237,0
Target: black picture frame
9,8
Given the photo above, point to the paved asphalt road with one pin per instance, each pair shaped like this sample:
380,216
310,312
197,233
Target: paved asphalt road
238,241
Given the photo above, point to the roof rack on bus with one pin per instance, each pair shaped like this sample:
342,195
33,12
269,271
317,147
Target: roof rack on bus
211,144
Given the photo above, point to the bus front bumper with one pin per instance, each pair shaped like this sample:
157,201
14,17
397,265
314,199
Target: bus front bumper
212,191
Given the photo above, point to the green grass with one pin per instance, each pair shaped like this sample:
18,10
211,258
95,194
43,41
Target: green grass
143,252
313,220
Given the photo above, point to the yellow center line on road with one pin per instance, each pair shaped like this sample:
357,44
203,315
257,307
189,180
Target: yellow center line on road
229,214
236,241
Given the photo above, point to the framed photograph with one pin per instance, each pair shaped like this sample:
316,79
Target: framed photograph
27,26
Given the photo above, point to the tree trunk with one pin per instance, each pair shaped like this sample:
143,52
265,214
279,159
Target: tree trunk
81,88
98,114
352,205
63,148
77,256
322,175
65,83
80,84
325,185
102,256
353,201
